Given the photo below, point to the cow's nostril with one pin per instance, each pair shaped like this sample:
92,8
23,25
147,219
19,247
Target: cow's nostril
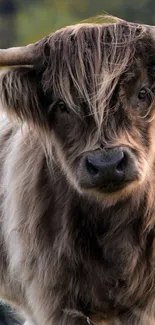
91,168
121,166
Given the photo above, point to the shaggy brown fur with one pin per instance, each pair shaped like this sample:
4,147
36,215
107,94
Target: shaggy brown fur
68,254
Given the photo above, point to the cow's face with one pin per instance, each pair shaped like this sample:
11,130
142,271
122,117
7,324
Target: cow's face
95,93
106,146
118,159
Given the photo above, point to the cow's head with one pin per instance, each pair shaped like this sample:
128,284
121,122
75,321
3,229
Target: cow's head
91,89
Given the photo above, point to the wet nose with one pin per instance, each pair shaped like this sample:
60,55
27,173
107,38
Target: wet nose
107,165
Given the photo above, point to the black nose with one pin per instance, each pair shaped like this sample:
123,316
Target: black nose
107,166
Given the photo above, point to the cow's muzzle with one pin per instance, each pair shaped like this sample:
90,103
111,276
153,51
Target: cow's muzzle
108,170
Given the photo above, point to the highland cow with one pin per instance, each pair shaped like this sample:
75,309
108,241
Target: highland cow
77,176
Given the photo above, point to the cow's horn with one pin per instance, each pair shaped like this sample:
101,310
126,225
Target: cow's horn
26,55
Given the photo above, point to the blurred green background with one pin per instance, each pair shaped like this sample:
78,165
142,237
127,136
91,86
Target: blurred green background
25,21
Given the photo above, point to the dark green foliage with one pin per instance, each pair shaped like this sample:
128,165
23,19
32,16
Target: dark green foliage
23,21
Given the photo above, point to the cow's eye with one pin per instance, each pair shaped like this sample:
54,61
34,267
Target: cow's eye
143,94
57,106
62,106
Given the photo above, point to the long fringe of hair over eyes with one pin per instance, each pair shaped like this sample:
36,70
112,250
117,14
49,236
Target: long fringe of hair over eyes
87,61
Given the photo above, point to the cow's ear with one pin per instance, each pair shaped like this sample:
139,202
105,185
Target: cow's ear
22,97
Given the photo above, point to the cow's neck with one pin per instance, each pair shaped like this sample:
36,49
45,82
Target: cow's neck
85,213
